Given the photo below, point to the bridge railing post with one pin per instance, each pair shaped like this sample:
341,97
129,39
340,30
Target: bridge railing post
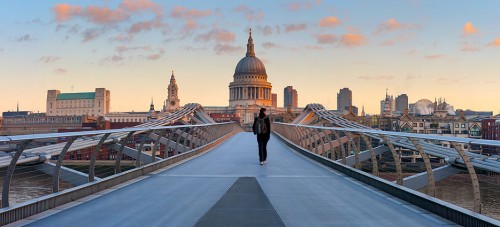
10,171
60,159
119,154
472,174
94,156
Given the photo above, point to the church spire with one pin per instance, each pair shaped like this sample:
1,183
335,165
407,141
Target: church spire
152,106
250,50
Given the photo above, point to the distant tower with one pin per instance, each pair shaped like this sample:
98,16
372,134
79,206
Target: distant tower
172,101
402,103
290,97
363,111
152,112
344,99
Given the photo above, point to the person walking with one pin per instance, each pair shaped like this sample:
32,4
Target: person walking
262,128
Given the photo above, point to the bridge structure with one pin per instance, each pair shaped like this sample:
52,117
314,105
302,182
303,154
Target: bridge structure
209,176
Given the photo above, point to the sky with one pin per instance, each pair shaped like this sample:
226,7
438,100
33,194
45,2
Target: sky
425,49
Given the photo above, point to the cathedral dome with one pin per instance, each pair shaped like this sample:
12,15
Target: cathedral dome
250,65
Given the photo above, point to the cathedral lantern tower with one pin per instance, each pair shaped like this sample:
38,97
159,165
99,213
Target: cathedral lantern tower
172,102
250,86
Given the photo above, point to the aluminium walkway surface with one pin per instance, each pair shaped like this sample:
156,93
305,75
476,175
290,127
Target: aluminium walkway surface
300,192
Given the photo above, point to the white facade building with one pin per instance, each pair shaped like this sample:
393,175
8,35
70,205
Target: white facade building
77,104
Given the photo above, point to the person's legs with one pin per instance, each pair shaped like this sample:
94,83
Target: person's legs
260,143
264,149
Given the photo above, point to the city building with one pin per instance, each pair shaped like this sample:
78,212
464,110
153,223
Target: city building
344,100
249,91
290,97
425,107
41,123
95,103
387,105
274,100
172,102
490,130
401,103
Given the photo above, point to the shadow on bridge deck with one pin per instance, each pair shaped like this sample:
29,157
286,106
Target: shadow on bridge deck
301,192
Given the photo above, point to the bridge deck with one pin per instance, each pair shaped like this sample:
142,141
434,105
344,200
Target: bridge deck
301,193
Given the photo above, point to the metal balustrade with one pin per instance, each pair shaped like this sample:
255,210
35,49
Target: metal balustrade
336,143
179,139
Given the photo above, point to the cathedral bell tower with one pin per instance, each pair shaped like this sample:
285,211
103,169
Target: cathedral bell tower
172,102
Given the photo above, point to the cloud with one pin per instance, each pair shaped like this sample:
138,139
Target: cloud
250,14
392,25
329,22
269,45
295,27
434,57
468,47
326,38
49,59
185,13
266,30
122,49
60,71
122,38
219,35
1,49
90,34
153,57
65,12
352,40
104,14
382,77
495,43
226,48
142,26
397,39
469,29
24,38
296,6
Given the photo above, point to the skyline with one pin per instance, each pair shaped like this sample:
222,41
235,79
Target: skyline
421,48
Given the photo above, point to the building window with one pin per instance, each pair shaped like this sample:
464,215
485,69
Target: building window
457,125
463,125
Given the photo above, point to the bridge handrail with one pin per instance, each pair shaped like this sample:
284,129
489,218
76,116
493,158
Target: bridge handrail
96,132
404,134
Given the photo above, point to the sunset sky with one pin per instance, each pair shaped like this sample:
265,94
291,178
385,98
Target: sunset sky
426,49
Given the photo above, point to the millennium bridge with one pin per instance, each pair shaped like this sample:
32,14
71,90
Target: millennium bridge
203,173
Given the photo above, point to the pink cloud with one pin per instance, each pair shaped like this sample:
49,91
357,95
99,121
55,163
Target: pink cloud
146,26
329,22
104,14
218,35
295,27
352,40
153,56
60,71
123,49
190,26
469,29
495,43
434,57
326,38
250,14
226,49
49,59
65,12
296,6
392,25
185,13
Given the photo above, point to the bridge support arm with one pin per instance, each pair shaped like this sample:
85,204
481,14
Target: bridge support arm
10,171
473,175
397,161
431,189
94,156
60,159
119,154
